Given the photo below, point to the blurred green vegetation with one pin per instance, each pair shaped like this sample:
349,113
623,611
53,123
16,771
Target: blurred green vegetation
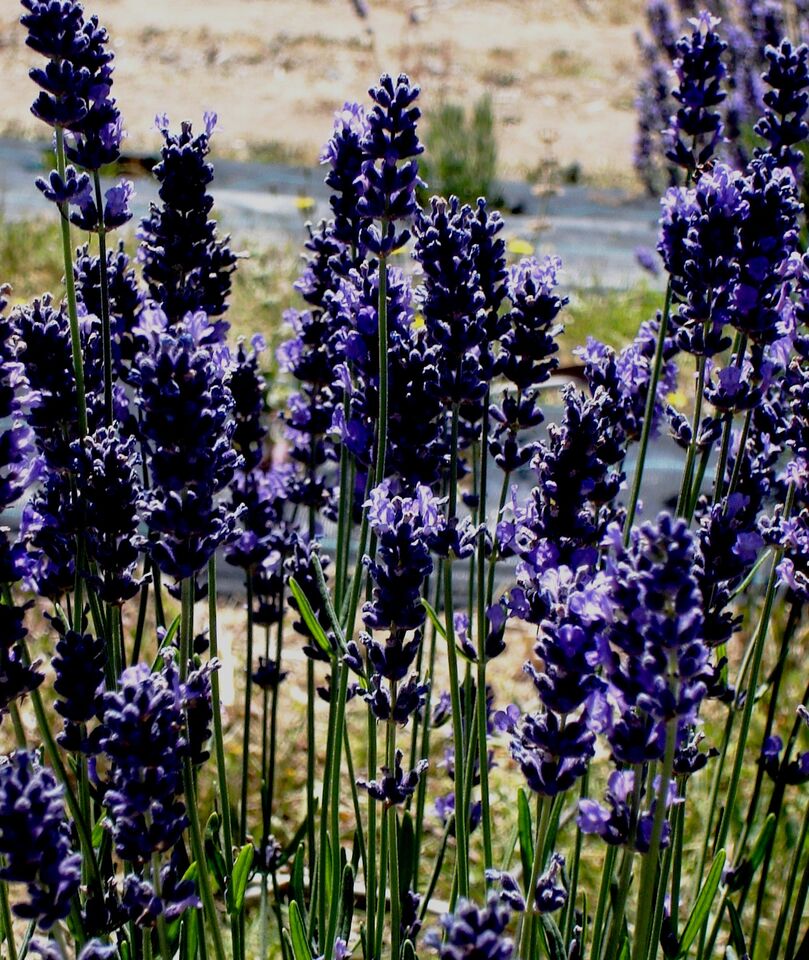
460,156
611,315
31,261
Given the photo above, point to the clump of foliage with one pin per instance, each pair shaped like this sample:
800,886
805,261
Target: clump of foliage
461,150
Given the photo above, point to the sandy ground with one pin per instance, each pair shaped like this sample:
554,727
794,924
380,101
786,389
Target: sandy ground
561,74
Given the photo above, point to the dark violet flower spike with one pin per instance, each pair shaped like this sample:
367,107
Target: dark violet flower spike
452,302
653,651
345,156
474,933
784,124
700,246
268,675
35,840
179,382
186,265
108,469
696,127
510,891
550,756
116,211
550,894
247,387
143,736
79,667
388,175
404,527
73,188
125,296
19,463
396,785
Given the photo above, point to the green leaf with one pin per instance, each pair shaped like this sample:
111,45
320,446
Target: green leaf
309,618
553,937
324,593
297,875
408,953
526,833
213,852
736,932
241,874
434,618
328,867
407,849
98,832
167,640
702,905
297,934
347,910
191,939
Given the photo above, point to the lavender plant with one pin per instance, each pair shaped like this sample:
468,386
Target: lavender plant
646,790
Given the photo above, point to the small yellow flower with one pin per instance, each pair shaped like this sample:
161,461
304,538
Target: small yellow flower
305,204
677,398
519,247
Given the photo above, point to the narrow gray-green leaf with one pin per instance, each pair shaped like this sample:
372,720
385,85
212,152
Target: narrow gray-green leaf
241,874
434,618
297,934
309,618
702,905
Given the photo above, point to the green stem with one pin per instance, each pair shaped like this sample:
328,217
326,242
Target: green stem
381,901
755,667
219,748
677,857
370,873
797,916
162,932
197,845
495,551
8,925
393,842
526,931
574,870
279,644
70,288
19,729
488,858
625,874
382,421
461,815
778,935
421,793
684,498
646,430
106,332
603,900
248,702
336,772
648,876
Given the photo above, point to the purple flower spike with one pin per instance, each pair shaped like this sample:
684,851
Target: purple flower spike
474,933
388,175
35,840
396,785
